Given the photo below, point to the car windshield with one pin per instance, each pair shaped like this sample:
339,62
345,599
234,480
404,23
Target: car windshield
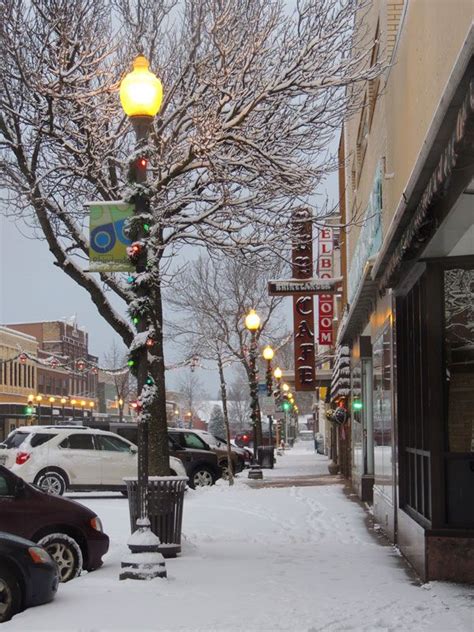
15,439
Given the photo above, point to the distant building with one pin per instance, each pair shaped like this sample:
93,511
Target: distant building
64,342
18,375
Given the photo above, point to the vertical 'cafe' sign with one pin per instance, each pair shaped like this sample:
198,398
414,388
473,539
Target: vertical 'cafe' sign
325,301
303,310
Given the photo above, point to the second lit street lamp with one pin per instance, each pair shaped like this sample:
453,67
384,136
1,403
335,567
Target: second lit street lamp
252,323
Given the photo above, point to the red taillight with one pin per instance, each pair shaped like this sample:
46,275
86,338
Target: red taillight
22,457
245,437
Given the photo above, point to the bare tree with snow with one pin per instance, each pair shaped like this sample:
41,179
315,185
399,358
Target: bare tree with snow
252,97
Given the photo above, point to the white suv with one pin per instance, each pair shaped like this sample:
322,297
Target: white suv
60,458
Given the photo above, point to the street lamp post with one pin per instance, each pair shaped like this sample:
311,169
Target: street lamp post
73,404
38,407
268,354
252,323
51,401
63,402
141,94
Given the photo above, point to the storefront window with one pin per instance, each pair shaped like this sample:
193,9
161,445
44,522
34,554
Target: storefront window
382,413
459,358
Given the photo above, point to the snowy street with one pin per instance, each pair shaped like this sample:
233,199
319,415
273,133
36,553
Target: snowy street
297,558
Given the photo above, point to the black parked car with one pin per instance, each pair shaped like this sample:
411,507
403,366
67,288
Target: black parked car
201,465
71,533
28,575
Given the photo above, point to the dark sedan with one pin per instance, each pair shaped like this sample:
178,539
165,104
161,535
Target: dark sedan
28,575
200,463
70,532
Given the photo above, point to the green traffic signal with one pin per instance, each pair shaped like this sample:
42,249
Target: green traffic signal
357,404
286,406
29,410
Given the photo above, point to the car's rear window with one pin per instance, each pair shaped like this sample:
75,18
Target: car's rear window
40,438
15,439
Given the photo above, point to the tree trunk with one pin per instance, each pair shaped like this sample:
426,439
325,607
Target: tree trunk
226,419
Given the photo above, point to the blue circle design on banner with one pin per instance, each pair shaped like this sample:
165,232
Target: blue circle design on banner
103,238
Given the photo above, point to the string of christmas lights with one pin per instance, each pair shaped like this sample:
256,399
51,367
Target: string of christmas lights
82,365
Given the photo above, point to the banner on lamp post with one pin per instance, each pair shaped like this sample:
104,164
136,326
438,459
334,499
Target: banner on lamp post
107,240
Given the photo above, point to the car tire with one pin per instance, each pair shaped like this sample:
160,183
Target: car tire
10,595
52,482
202,477
67,554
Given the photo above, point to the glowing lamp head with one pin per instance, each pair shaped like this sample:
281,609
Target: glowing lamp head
277,373
268,353
141,92
73,402
252,320
286,388
63,400
83,402
52,400
91,404
39,398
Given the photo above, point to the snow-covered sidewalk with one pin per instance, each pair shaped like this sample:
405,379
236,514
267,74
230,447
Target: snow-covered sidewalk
267,559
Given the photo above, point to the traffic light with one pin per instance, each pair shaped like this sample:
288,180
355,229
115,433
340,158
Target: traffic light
29,410
286,406
357,405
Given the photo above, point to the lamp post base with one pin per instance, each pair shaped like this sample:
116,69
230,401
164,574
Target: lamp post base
144,561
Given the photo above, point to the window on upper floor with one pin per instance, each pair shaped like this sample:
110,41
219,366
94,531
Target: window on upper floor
362,137
374,84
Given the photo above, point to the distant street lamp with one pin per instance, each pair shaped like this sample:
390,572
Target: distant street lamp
63,402
38,407
73,404
268,354
252,323
91,409
141,94
51,401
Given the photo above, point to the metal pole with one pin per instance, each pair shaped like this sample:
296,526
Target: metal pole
141,126
253,393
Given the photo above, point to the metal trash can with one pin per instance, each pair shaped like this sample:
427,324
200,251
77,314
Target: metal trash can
266,456
165,509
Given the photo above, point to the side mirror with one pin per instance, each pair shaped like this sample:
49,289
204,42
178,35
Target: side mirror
133,449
